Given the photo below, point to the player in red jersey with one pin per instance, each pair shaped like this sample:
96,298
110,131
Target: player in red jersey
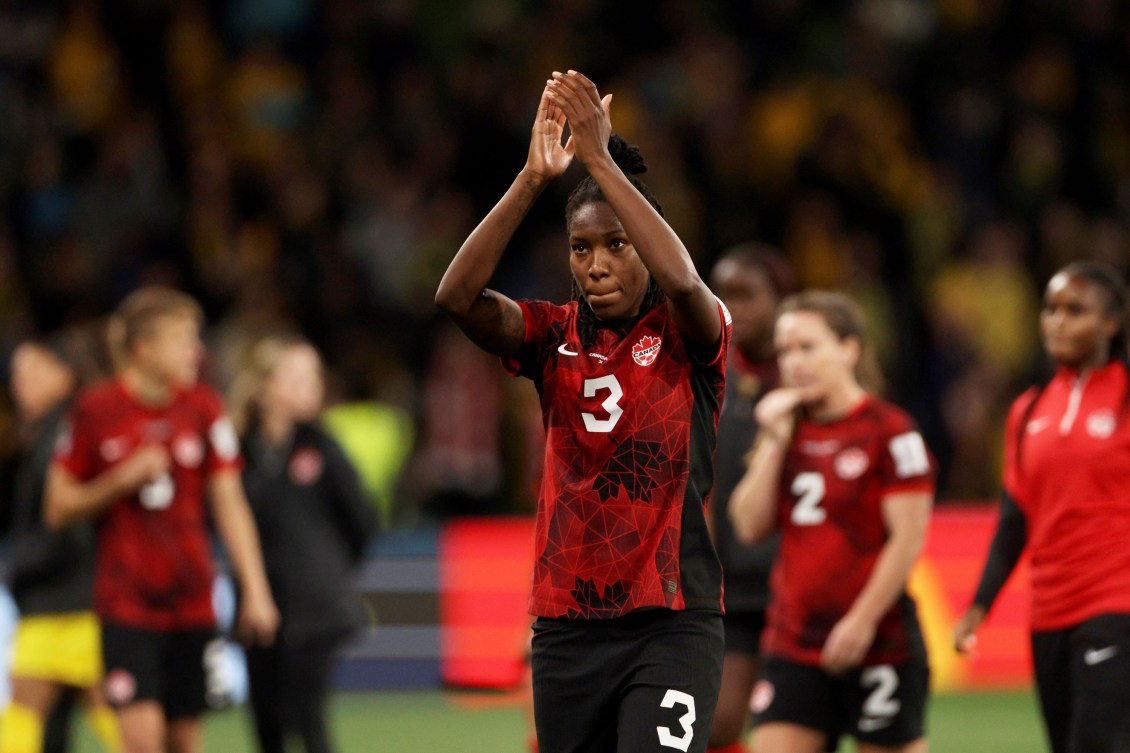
627,646
143,454
1067,498
848,481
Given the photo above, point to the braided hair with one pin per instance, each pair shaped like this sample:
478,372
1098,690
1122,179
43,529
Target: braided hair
1114,291
628,158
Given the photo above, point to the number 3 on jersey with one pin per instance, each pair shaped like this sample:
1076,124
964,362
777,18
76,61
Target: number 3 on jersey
611,404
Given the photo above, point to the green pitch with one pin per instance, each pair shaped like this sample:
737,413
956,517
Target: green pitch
435,722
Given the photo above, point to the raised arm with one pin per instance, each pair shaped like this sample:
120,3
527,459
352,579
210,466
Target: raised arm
693,307
753,503
490,319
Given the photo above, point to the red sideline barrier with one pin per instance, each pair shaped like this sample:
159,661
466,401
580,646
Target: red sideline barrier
485,566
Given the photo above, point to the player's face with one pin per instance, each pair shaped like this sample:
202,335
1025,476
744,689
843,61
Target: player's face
172,351
604,263
295,388
812,357
39,380
749,296
1075,324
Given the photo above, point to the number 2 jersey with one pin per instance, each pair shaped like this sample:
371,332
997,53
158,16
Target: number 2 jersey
833,482
154,563
630,427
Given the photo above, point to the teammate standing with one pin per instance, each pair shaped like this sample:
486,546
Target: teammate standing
1067,498
57,646
751,279
849,483
627,647
314,521
152,456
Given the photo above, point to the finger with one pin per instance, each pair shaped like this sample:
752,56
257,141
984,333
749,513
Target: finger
586,86
544,104
606,103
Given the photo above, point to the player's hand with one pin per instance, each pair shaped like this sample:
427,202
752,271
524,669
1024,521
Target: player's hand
145,464
258,620
588,114
847,644
965,631
776,412
547,157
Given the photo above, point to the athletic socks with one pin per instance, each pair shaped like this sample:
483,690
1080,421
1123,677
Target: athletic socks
21,730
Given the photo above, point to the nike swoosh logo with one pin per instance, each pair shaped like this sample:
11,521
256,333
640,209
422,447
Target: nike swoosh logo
1037,425
564,350
872,724
1093,656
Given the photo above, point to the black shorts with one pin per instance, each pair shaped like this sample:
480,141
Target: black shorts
645,682
1083,677
148,665
743,632
882,705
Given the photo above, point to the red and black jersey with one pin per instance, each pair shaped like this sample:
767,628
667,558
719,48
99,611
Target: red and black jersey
1071,479
154,565
833,482
630,432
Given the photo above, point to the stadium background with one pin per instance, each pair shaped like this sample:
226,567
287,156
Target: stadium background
315,165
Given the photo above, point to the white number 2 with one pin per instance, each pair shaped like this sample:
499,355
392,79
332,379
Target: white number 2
668,740
611,404
881,703
809,486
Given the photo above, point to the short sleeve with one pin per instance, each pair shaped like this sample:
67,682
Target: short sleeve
1013,484
222,442
540,318
907,464
74,446
717,354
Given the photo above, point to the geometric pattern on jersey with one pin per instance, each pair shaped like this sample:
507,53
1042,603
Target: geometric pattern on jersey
154,557
833,482
630,431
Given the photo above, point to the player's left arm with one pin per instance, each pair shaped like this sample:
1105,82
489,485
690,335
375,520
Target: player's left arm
906,516
231,514
693,307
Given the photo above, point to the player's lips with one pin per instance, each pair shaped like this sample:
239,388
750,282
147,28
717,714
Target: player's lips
594,297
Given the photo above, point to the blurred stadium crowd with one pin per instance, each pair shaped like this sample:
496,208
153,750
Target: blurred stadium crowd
316,164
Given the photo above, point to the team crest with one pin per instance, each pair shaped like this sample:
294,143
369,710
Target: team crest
114,448
188,451
306,467
646,350
761,697
851,463
1101,424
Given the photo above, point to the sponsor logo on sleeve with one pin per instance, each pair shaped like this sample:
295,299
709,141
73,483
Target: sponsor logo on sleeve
1101,424
223,438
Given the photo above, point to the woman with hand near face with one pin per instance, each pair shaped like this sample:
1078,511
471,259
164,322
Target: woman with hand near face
847,480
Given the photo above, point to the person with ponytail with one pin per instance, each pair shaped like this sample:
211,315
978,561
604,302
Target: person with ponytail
1066,498
848,481
627,589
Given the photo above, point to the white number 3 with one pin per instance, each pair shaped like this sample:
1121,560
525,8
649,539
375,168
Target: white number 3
668,740
610,404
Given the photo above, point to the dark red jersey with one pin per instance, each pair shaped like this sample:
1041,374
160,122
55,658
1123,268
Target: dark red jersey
833,482
1072,481
154,567
630,432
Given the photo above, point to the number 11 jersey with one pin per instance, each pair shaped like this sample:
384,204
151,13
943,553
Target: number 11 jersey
630,424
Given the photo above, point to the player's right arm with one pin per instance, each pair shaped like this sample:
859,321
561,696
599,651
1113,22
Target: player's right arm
491,320
753,504
67,500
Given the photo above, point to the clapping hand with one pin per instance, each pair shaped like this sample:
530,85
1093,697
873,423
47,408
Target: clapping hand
587,113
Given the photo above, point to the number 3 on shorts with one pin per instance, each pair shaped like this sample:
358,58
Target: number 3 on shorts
668,740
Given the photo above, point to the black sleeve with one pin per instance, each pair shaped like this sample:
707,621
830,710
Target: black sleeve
1008,543
354,511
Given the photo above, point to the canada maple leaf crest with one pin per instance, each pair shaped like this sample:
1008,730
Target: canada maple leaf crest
646,350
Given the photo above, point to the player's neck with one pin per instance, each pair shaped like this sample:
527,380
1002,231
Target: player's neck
276,430
147,389
839,402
